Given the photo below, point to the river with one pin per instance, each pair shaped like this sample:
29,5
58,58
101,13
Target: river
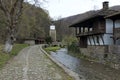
90,70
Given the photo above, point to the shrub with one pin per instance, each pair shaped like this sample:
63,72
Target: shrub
72,44
52,48
73,47
48,40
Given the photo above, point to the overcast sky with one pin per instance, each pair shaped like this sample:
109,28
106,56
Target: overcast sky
65,8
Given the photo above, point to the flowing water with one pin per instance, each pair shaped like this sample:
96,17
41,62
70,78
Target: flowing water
90,70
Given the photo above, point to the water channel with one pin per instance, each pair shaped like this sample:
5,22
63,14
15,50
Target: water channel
90,70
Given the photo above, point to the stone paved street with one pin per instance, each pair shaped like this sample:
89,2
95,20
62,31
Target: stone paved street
32,64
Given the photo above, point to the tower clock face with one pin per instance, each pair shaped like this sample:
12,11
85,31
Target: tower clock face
52,27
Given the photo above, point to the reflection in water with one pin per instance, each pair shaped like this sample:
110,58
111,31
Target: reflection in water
91,70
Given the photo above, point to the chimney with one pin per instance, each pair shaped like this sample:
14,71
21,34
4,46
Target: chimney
105,5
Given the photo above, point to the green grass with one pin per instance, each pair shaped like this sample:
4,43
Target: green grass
52,49
4,57
17,48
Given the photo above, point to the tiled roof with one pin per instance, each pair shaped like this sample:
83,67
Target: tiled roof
69,21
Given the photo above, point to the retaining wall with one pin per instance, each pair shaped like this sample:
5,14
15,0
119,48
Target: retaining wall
108,55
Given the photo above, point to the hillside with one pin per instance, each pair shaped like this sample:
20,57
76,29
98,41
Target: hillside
33,23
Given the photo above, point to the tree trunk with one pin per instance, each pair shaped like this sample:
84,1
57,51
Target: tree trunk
9,44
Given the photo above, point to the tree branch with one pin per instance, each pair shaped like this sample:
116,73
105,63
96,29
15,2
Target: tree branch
19,11
13,7
3,8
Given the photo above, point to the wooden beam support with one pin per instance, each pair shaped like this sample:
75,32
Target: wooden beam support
79,30
88,29
93,39
83,29
102,39
75,30
89,40
98,39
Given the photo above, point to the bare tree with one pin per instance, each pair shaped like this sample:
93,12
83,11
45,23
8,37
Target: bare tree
12,10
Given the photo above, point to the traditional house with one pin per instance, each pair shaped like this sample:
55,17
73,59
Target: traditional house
116,27
101,27
98,33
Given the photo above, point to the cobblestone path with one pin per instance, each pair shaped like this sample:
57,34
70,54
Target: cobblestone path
32,64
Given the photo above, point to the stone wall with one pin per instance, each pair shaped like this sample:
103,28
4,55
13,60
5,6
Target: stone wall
108,55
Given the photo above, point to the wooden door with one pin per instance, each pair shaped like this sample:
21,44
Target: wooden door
83,42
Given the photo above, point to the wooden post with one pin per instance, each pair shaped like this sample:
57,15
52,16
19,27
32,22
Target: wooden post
79,30
98,39
76,31
114,39
88,29
83,29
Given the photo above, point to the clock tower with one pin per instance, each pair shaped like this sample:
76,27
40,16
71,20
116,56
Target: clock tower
53,32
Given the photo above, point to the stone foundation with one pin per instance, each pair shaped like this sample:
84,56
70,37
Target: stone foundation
108,55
